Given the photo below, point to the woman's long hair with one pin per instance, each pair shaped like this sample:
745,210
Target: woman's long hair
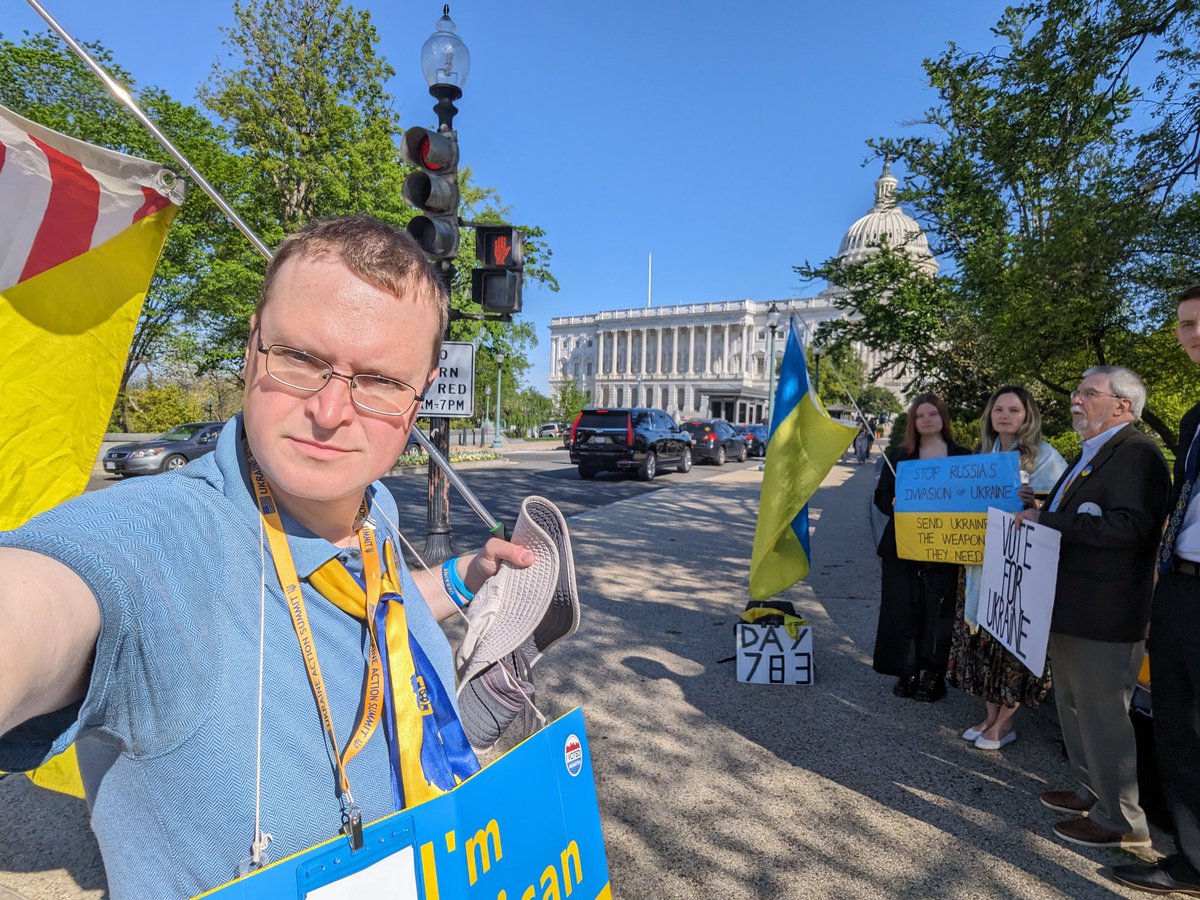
911,438
1029,436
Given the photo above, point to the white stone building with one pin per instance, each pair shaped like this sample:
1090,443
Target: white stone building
710,359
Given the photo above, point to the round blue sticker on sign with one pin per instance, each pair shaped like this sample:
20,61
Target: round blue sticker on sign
573,755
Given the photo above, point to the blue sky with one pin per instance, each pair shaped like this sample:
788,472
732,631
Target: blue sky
726,139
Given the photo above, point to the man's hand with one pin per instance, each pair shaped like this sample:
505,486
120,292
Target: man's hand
1026,515
486,562
1026,494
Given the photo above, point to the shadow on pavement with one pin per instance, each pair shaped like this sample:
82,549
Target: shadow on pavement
713,788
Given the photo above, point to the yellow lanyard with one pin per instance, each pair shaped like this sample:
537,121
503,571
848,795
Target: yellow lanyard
285,569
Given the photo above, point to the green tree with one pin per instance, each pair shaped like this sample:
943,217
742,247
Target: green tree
568,400
878,401
304,98
155,407
1060,213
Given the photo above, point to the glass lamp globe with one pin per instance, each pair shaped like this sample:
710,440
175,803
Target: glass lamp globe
445,59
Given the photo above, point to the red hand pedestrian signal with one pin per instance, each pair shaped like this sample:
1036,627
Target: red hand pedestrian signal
496,285
501,250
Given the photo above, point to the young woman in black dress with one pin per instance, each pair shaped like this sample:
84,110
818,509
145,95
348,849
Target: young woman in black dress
917,601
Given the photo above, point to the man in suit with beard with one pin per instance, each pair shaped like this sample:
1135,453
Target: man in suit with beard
1175,651
1109,506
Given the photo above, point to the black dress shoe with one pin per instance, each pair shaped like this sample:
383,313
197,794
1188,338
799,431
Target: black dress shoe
905,687
1170,875
931,688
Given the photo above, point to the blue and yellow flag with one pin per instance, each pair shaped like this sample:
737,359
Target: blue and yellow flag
804,444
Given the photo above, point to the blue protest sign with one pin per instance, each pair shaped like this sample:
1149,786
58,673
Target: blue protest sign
527,826
942,504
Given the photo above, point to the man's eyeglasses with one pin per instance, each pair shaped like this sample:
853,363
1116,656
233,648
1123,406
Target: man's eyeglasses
1090,394
306,372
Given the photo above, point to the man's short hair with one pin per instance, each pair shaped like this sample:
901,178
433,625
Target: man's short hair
1188,293
382,254
1124,383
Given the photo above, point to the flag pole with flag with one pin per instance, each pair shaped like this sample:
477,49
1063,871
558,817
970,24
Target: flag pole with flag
803,444
80,235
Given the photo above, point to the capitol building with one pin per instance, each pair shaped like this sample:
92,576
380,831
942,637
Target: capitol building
710,359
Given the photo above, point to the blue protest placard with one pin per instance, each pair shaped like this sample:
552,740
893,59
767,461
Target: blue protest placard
942,504
527,826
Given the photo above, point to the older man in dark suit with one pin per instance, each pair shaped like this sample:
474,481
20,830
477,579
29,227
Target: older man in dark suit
1175,651
1109,506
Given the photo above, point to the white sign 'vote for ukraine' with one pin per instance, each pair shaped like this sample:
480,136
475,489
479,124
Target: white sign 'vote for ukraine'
1016,589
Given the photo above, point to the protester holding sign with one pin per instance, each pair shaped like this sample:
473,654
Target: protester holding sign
1011,422
224,720
916,609
1109,508
1175,650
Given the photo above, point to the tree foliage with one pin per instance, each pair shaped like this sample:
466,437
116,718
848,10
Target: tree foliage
304,99
1059,192
569,400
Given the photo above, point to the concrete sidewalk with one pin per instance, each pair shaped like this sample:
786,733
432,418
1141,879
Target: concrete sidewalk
709,788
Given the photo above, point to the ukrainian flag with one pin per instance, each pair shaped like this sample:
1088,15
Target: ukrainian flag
803,446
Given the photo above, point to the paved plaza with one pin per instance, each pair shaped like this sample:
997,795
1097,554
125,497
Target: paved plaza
709,788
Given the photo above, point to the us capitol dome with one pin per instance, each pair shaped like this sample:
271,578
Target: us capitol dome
886,221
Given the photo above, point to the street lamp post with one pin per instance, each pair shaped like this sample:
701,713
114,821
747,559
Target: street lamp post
445,63
487,411
773,317
496,442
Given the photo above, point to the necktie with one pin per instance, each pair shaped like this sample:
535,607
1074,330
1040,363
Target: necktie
1191,466
427,746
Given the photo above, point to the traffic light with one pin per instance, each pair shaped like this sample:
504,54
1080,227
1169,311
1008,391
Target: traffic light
496,285
433,189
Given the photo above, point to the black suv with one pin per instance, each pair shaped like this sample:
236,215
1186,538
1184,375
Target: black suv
621,439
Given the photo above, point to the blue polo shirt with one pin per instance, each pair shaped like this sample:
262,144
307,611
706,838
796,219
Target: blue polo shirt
166,735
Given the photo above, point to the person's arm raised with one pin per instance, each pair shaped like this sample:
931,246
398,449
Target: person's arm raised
51,623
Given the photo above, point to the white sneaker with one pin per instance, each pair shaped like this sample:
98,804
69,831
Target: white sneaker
985,744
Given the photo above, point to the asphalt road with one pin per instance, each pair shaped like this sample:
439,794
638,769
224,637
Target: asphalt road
546,473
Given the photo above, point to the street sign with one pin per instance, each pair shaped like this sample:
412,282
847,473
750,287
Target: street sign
452,394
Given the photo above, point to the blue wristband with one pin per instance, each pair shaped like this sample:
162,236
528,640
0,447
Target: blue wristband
454,584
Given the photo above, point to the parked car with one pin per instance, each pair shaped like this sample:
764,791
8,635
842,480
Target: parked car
755,437
171,450
621,440
550,429
715,440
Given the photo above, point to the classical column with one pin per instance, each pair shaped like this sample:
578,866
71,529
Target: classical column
642,361
708,348
690,368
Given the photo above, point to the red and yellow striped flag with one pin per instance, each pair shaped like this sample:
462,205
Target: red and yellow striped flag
81,230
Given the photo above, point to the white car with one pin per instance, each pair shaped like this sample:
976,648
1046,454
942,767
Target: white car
550,429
